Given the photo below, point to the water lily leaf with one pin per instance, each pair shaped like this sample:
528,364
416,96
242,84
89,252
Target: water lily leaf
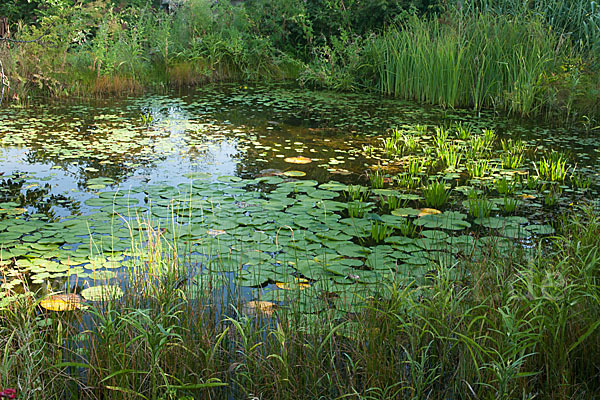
294,174
297,160
297,283
540,229
63,302
450,220
405,212
102,293
428,211
259,307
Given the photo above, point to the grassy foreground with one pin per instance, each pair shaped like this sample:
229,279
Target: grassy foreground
506,329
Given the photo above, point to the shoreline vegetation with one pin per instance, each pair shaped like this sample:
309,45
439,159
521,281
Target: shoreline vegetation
497,319
502,326
523,58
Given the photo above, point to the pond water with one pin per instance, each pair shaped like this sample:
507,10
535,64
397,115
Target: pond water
276,189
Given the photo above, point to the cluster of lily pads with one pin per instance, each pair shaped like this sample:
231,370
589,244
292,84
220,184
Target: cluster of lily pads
432,194
272,233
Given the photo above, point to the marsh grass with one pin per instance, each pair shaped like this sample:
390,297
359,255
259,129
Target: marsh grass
435,194
500,327
475,61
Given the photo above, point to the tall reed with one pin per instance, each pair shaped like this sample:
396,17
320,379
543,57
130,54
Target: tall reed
475,61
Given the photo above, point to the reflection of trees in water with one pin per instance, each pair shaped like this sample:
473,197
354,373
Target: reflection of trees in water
36,197
119,168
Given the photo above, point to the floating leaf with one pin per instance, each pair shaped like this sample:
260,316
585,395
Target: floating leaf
259,306
294,174
297,160
63,302
428,211
102,293
297,283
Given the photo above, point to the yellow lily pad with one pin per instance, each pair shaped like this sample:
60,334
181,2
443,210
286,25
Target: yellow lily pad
63,302
428,211
298,283
259,306
298,160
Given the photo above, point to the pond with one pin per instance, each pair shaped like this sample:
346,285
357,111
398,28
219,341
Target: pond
275,190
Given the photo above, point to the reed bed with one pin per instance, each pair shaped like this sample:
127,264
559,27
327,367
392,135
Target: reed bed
479,61
495,327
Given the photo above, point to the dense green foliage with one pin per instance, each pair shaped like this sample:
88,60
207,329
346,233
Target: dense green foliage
527,58
509,328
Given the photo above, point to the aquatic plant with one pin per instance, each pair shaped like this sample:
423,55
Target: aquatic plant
441,135
380,230
407,228
477,147
415,166
505,185
408,181
368,150
511,160
510,204
392,202
478,168
463,131
435,194
479,207
357,192
551,195
553,168
390,146
580,181
424,60
147,119
451,154
357,208
377,179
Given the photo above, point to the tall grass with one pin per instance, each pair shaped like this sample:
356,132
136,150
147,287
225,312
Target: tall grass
504,326
578,19
477,61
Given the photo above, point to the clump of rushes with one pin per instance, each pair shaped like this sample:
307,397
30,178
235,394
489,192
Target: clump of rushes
407,228
510,205
408,181
377,179
436,195
451,154
147,118
476,147
463,132
479,207
357,192
410,143
553,168
512,153
392,147
478,168
505,185
368,150
489,136
380,230
357,208
414,166
392,202
551,195
441,135
580,181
